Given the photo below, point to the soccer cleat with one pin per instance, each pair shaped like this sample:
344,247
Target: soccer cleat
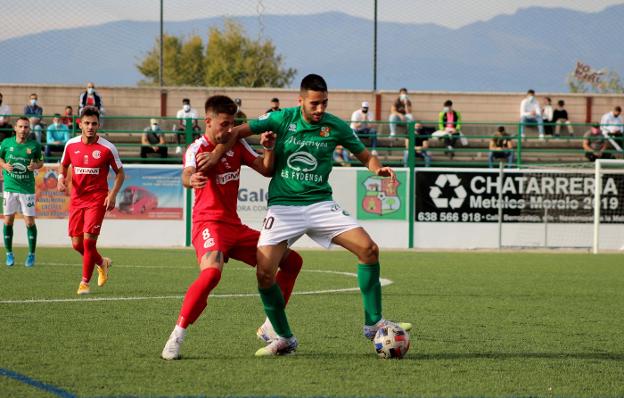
171,351
266,332
371,330
83,288
279,346
103,270
10,259
30,260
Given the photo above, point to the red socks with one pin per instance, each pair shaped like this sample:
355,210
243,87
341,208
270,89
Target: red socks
196,297
89,259
287,275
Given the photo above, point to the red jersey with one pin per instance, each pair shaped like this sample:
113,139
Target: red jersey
217,200
90,163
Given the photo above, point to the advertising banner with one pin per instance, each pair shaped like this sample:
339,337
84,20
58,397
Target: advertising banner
527,196
380,199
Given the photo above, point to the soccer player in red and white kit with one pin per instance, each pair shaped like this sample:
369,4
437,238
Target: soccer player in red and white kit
90,156
218,233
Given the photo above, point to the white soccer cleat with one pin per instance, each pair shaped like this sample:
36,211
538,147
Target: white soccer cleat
371,330
279,346
171,351
266,333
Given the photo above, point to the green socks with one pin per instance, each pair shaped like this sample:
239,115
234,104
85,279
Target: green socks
8,238
274,305
32,238
368,280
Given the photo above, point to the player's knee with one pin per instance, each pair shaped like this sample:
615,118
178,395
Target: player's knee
78,246
292,263
265,277
369,253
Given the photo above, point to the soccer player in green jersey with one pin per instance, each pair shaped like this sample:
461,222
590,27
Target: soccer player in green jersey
19,158
300,202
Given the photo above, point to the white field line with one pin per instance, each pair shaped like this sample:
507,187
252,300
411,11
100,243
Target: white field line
383,281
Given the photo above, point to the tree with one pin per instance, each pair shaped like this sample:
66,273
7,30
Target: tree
586,80
229,59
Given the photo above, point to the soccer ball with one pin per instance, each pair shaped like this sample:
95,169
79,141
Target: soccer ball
391,341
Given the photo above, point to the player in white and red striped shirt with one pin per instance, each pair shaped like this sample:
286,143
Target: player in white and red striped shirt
90,156
218,233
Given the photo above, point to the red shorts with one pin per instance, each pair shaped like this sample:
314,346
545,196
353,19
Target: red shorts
86,220
235,241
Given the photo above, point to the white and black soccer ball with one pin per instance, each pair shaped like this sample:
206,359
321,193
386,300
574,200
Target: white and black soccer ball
391,341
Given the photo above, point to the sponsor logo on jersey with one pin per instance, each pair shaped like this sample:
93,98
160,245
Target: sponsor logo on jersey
19,168
325,131
28,151
11,149
87,170
292,127
224,178
77,151
96,154
86,159
302,161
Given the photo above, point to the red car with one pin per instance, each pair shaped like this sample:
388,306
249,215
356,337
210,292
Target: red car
137,200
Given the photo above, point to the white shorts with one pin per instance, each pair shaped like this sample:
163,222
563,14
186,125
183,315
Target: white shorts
15,201
320,221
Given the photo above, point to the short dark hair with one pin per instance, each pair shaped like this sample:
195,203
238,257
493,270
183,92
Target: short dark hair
531,91
24,118
90,111
186,101
403,89
448,103
313,82
548,99
274,99
618,109
500,129
57,115
220,104
561,102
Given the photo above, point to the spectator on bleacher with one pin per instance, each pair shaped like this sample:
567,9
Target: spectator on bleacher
68,119
34,113
611,125
449,128
153,140
421,145
501,147
57,135
360,124
239,117
595,144
184,114
400,111
275,105
560,116
531,113
548,116
6,130
341,156
90,97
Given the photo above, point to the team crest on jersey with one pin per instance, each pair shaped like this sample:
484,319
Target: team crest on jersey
11,149
28,151
292,127
230,153
96,154
325,131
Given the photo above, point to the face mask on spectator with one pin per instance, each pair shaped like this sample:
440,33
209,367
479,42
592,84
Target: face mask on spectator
186,107
446,109
154,127
33,102
403,97
90,90
364,110
57,124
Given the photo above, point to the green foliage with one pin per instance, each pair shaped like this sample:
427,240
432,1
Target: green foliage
229,59
486,324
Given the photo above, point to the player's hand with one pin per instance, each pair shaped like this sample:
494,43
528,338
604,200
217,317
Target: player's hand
110,201
267,140
7,167
198,180
205,160
387,172
31,166
60,184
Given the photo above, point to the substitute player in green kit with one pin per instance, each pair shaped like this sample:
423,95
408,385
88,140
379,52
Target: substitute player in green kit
19,158
300,202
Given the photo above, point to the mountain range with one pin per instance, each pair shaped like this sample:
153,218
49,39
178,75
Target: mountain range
533,48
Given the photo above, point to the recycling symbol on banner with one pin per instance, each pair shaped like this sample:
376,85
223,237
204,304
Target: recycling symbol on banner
459,193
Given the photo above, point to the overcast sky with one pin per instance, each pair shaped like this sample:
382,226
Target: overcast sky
20,17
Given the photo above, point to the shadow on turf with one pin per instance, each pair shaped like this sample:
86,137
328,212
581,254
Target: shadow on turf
602,356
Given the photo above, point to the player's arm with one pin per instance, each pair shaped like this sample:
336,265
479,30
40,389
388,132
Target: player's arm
191,178
374,165
111,198
60,185
265,164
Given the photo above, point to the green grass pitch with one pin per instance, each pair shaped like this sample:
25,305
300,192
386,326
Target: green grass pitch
486,325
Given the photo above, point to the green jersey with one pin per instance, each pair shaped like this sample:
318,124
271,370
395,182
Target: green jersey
303,154
20,180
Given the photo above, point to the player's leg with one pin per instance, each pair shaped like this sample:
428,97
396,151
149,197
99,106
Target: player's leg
28,210
11,204
195,301
93,219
